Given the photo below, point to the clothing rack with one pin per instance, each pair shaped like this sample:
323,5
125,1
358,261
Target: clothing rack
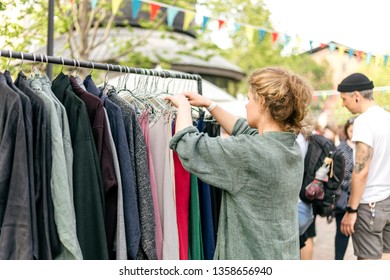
102,66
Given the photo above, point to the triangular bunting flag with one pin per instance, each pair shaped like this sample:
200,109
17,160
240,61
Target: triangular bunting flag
237,26
154,8
350,52
115,5
275,36
136,5
287,39
368,58
171,14
311,45
249,31
221,22
385,59
261,35
188,17
204,23
359,55
93,4
342,50
378,60
332,47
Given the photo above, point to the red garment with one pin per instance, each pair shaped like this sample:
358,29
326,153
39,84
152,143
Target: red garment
182,189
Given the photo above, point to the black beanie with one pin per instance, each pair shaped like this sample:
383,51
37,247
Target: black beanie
356,81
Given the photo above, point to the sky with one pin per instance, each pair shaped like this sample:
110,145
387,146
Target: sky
359,24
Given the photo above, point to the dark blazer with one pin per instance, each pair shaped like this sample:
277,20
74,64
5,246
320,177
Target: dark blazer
98,121
15,204
48,240
88,189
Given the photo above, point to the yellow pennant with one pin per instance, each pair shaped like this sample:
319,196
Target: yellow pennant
341,50
249,31
115,5
188,17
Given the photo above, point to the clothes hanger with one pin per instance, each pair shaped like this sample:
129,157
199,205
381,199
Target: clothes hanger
35,71
106,89
93,67
63,63
21,64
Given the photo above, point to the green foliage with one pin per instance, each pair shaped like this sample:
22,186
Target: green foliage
23,24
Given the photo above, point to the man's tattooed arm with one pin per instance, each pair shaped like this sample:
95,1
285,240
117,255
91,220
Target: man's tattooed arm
363,155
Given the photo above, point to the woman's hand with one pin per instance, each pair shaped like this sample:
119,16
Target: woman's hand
183,117
196,99
178,100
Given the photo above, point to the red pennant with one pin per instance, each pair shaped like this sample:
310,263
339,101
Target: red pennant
275,36
359,54
322,45
154,8
220,23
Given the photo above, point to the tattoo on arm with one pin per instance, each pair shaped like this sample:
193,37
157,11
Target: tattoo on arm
363,155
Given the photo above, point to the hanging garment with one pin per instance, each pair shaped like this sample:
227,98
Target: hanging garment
139,162
131,215
206,214
48,240
62,193
27,113
120,237
87,178
182,195
15,216
160,133
64,124
195,224
99,125
144,123
213,129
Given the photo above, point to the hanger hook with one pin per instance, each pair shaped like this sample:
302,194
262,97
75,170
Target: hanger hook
63,63
9,61
78,61
93,67
106,76
21,64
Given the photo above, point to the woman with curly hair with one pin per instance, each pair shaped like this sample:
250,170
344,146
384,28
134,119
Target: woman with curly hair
259,167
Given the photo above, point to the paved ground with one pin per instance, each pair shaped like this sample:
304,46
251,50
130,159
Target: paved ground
324,241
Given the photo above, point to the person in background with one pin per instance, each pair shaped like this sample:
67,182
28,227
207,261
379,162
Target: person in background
368,217
259,167
305,210
341,241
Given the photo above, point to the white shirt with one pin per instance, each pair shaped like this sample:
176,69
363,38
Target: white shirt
373,128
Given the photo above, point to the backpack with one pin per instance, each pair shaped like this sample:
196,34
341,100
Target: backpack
320,149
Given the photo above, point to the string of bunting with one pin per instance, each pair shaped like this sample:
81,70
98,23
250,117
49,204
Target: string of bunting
250,30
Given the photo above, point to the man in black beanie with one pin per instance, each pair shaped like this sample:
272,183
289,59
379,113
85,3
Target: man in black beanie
367,218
